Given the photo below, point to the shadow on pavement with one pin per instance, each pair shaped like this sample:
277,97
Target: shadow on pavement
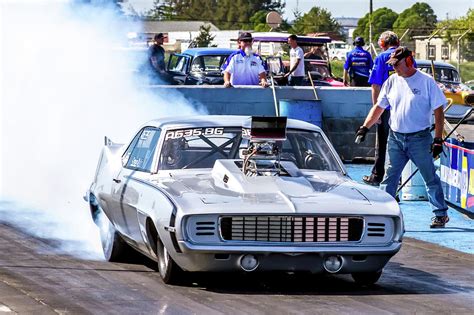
396,280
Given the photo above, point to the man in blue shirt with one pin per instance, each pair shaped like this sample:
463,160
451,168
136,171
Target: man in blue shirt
358,64
388,42
244,67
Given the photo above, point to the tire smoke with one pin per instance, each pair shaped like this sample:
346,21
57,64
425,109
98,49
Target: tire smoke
63,87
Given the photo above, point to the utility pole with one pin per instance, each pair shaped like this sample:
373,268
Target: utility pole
370,24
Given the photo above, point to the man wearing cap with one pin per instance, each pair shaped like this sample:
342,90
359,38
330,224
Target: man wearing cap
411,96
156,56
244,67
358,64
296,74
314,53
388,42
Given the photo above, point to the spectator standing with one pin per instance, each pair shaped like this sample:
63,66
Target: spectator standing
314,53
244,67
156,55
411,96
358,64
296,74
388,42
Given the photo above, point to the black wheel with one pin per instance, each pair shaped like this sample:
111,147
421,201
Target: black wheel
169,271
366,278
114,247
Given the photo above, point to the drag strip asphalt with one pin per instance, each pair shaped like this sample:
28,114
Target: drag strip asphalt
35,279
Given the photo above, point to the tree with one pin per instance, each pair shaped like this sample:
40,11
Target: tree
419,18
317,20
161,10
204,38
258,23
455,27
225,14
382,20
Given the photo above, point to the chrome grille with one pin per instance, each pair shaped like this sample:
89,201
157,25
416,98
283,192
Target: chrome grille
291,228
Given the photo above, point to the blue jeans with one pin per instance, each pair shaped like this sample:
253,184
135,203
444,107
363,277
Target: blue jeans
415,147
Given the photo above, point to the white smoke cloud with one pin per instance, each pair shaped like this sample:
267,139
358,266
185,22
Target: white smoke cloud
62,88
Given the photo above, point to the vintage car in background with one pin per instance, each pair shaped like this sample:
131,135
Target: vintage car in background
320,70
449,81
235,193
198,66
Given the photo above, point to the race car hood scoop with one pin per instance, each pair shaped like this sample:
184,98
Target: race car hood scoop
228,185
228,175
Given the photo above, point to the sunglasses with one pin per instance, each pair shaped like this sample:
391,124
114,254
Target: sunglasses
246,40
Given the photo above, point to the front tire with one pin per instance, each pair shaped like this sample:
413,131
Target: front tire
169,271
366,278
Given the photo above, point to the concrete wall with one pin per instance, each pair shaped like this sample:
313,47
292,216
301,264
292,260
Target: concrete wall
343,109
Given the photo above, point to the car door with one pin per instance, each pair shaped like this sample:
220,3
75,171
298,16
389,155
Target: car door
178,67
128,183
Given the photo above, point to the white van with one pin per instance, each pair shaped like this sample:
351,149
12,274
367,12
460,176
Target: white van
338,50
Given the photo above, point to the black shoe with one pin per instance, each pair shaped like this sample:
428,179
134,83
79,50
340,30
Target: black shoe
370,180
439,222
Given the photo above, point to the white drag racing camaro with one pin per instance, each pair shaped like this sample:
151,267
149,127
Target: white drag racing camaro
235,193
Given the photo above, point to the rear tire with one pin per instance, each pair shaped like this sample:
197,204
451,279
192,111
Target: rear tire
114,247
169,271
366,278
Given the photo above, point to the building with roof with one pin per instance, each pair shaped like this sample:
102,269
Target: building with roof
349,24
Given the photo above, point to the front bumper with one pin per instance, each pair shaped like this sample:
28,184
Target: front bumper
287,258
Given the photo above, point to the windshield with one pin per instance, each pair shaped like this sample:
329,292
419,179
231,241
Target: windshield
208,63
201,147
317,68
443,74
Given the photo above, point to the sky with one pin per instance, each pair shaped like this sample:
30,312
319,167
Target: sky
358,8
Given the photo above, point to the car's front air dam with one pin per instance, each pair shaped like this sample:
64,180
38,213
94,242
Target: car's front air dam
312,262
283,262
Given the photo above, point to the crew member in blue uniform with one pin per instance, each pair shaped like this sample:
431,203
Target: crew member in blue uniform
388,42
358,64
244,67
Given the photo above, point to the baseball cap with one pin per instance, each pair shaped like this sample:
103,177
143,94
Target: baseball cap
245,36
160,35
399,54
359,41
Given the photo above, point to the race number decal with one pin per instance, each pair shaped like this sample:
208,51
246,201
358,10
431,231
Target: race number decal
175,134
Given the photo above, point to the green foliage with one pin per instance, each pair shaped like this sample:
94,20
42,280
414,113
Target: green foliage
337,68
456,27
258,21
316,20
225,14
419,18
161,10
204,37
467,71
382,20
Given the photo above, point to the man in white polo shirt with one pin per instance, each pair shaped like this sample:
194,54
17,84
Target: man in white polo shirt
411,96
296,73
244,67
